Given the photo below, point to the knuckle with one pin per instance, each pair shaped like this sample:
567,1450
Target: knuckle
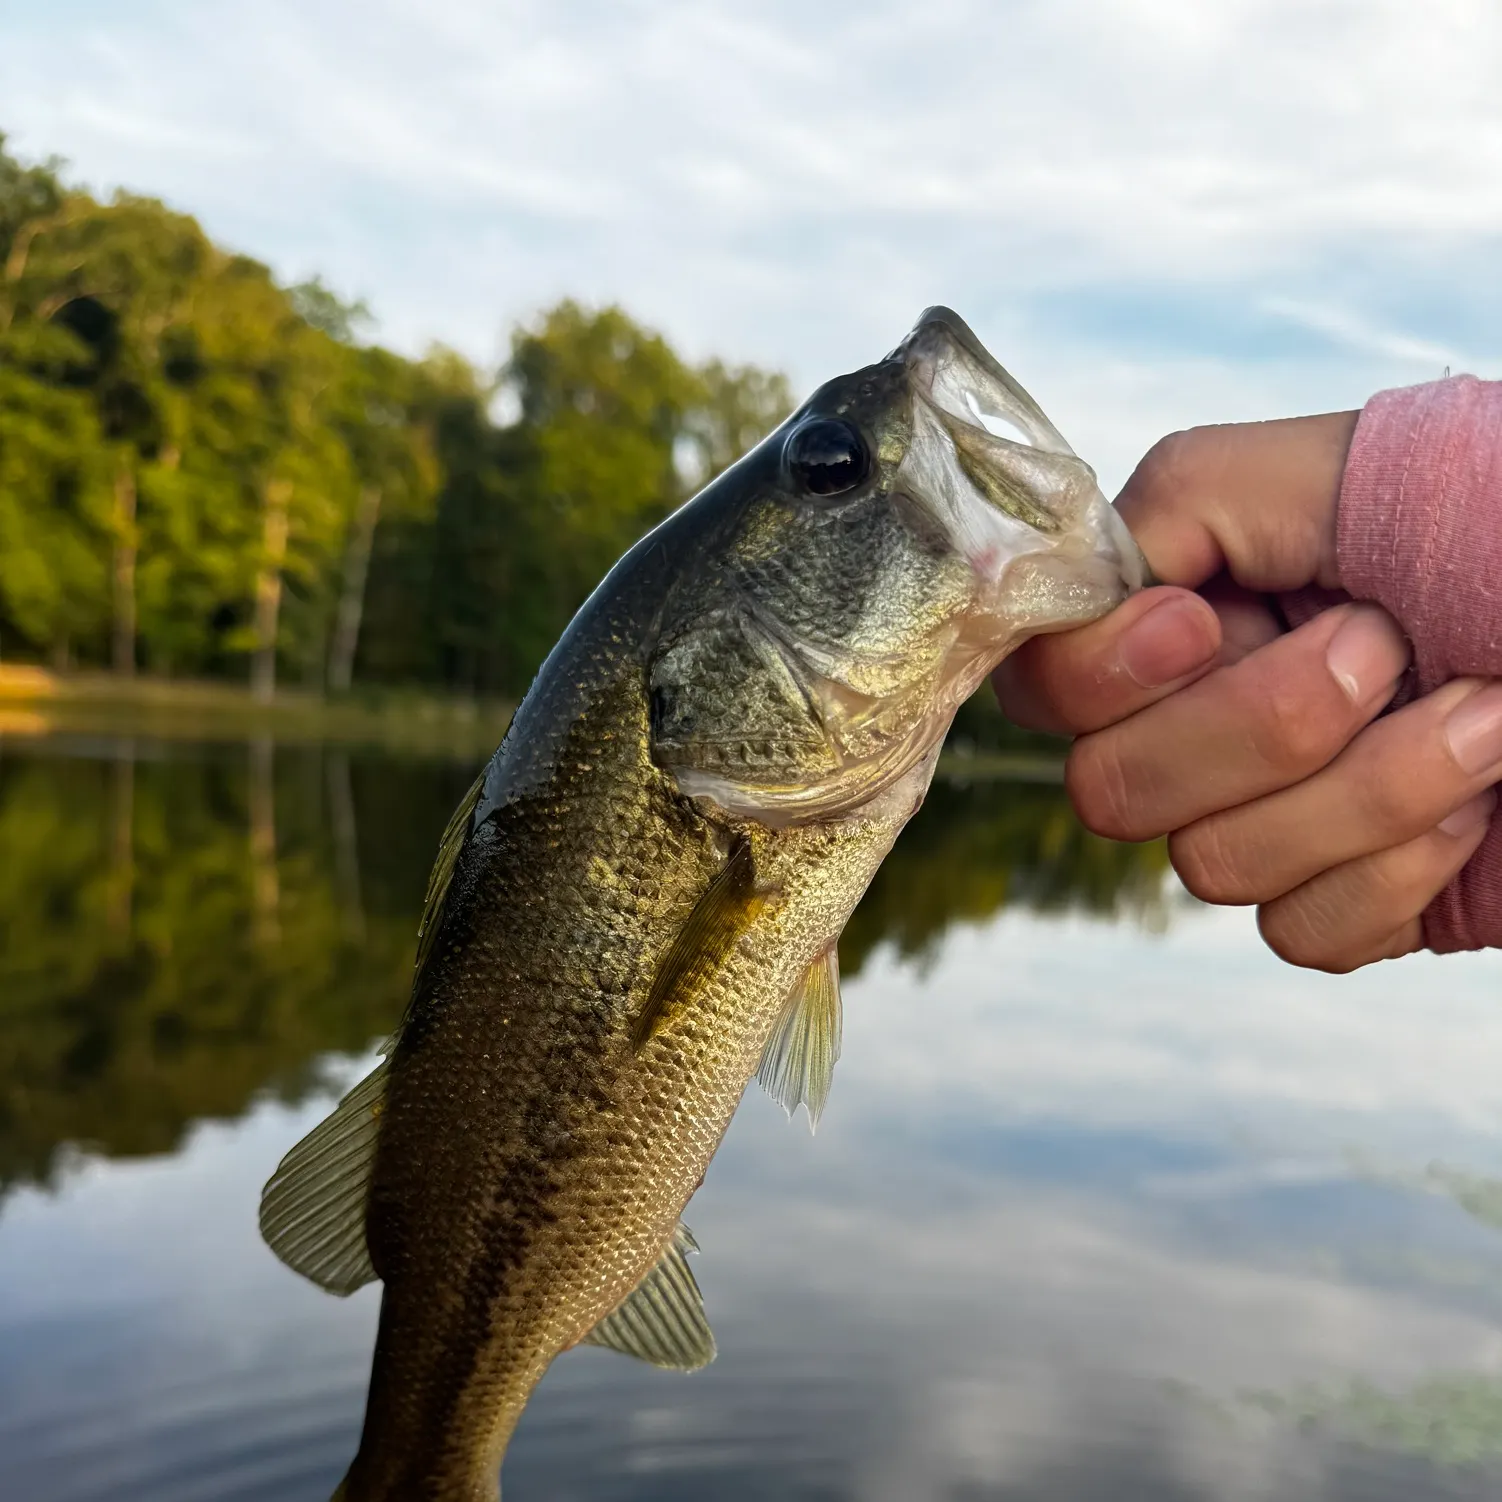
1027,689
1303,930
1394,804
1167,469
1212,866
1288,730
1016,689
1101,790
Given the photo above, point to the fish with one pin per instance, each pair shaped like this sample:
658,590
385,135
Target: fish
636,908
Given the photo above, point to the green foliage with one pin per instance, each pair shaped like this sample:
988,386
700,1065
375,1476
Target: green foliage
209,466
53,508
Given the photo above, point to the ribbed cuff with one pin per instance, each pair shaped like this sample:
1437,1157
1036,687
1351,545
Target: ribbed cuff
1420,533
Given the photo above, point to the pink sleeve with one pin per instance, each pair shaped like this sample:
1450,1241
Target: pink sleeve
1420,532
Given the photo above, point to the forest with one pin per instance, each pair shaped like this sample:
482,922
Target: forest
207,474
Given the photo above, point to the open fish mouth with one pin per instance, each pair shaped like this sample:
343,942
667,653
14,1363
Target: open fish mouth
1001,476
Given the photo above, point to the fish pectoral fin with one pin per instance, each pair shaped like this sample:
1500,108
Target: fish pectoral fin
798,1062
726,910
313,1206
662,1320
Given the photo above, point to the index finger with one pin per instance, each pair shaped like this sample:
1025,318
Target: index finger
1080,680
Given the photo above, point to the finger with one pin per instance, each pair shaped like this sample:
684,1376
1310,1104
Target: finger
1247,619
1397,779
1079,680
1258,499
1241,732
1370,909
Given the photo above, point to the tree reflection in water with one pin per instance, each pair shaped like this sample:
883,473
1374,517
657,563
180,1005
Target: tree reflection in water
185,929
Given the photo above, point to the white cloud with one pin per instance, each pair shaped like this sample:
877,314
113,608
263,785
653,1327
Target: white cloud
1363,337
1119,1029
793,185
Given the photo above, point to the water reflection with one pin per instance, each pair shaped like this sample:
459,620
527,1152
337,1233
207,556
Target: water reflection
1096,1211
179,932
181,929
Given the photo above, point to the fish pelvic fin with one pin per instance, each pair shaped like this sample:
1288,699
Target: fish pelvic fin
797,1065
662,1320
727,909
313,1206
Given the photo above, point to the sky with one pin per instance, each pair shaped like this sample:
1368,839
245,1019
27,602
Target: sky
1155,212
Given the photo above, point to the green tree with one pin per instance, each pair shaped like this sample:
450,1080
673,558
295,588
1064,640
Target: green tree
737,407
202,470
531,516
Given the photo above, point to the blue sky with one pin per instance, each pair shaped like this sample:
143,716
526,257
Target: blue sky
1156,212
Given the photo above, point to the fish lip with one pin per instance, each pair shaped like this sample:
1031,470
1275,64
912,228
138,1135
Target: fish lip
960,381
946,361
963,335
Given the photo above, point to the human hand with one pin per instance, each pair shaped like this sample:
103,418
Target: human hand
1258,750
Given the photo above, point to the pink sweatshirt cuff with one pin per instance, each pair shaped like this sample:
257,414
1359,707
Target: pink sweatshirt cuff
1420,533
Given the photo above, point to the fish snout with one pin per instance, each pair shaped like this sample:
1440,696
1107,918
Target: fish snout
1017,500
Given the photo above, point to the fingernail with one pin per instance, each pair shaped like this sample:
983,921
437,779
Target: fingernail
1367,654
1474,730
1172,639
1469,815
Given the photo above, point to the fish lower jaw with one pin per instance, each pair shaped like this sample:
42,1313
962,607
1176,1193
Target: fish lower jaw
1074,579
876,786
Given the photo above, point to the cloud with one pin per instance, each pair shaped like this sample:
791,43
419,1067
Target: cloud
1123,1030
793,186
1361,336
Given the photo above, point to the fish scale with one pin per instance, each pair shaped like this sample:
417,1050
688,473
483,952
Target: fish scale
638,903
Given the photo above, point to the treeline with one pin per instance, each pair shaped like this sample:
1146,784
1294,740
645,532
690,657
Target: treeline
203,472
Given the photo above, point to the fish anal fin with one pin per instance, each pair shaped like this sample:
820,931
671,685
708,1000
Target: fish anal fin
727,909
313,1206
798,1062
662,1320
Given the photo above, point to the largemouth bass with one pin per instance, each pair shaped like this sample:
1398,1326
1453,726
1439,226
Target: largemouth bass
636,907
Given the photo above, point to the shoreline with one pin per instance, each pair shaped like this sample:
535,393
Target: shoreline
38,704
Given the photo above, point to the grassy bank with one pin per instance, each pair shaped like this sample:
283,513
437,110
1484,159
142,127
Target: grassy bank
35,702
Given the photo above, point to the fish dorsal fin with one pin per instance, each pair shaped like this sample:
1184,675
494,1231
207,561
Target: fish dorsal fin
798,1062
720,917
455,833
662,1320
313,1206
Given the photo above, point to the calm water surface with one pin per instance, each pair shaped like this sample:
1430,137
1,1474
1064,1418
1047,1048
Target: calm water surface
1106,1204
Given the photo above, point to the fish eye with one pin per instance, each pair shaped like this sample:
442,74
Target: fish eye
827,456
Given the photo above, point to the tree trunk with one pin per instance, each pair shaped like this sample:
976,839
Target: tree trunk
123,640
346,845
269,590
265,887
122,864
352,600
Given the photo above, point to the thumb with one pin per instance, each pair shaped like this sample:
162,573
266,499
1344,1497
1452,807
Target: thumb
1258,500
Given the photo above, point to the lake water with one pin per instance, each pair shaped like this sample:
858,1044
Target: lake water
1106,1203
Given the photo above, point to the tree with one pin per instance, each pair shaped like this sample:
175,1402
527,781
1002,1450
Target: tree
201,469
392,447
738,406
